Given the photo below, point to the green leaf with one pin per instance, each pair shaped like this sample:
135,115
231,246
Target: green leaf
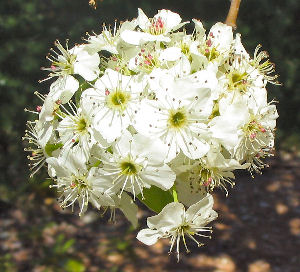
74,266
49,148
155,198
68,245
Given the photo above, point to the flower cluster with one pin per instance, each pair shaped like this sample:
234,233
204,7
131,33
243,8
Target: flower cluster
145,110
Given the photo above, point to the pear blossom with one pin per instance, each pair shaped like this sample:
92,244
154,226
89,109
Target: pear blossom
77,183
38,135
155,29
76,60
256,136
137,162
214,170
116,101
213,48
177,118
176,223
146,110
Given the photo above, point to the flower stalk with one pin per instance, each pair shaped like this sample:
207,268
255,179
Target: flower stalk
233,13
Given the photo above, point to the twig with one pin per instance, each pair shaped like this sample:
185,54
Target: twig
233,13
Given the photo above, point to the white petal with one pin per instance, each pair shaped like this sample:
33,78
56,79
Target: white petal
170,19
63,88
201,213
171,216
187,195
148,236
134,37
223,36
148,147
160,176
199,29
170,54
142,20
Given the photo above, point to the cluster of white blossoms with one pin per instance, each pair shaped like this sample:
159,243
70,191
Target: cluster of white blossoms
147,111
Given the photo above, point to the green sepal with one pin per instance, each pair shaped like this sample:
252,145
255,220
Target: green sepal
49,148
155,198
96,164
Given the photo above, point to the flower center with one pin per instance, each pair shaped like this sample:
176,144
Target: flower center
79,182
81,125
129,168
211,53
177,119
118,100
253,128
185,48
157,26
238,80
63,63
146,61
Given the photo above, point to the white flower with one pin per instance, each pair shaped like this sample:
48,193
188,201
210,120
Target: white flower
241,77
175,223
256,136
260,62
76,130
137,162
76,60
213,49
145,60
77,183
108,40
38,134
177,117
214,170
155,29
115,100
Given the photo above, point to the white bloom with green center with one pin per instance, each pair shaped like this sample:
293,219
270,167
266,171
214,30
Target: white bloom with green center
153,29
76,183
76,129
242,78
256,136
214,170
108,39
213,48
178,117
176,223
76,60
115,101
137,162
38,135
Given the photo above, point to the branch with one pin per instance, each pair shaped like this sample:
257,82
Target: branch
93,3
233,13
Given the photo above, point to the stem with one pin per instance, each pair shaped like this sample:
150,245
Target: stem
93,3
233,13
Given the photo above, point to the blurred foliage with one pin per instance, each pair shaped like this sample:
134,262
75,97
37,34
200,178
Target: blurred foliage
28,30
